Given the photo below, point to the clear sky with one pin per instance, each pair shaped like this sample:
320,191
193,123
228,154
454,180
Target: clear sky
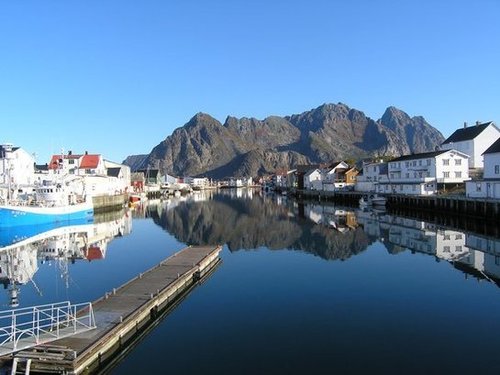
117,77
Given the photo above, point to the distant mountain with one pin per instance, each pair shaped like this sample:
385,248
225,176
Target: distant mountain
135,162
251,147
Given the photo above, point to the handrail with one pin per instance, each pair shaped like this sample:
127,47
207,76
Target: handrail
31,326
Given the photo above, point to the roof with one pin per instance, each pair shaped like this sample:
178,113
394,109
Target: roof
423,155
494,148
3,150
468,133
114,172
305,168
90,161
41,167
311,171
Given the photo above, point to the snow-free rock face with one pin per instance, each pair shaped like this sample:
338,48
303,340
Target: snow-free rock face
251,147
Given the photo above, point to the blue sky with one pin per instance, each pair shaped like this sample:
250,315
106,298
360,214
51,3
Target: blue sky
117,77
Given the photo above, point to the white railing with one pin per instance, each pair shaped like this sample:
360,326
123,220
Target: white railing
30,326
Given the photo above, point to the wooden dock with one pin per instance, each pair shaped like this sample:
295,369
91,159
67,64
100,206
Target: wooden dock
125,313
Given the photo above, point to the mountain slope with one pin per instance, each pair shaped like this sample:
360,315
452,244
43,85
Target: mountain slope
252,147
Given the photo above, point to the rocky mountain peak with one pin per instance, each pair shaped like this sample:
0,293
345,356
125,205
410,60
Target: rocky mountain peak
252,147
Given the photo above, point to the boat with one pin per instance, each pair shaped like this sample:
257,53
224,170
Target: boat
368,200
54,201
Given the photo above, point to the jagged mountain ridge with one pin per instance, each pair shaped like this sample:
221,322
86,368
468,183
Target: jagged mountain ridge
252,147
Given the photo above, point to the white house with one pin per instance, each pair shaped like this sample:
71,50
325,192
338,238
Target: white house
372,174
334,176
86,164
17,170
489,186
420,174
313,179
473,141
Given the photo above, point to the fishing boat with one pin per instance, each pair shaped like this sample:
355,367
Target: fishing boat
369,200
54,201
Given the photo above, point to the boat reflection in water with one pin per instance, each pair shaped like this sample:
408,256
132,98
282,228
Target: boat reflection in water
24,249
328,231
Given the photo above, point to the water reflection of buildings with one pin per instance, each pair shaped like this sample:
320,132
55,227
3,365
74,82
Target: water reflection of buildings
19,261
331,216
473,254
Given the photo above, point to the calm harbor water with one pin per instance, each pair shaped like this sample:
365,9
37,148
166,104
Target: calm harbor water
303,289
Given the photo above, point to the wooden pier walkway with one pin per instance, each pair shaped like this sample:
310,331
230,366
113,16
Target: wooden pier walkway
124,313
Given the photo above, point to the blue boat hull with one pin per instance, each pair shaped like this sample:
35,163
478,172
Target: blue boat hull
14,234
25,215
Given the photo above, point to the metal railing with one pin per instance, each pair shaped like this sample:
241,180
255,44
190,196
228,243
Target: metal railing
30,326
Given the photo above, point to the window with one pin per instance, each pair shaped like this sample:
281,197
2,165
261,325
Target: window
458,248
428,162
458,161
407,175
478,187
446,161
497,169
446,174
458,236
458,174
446,249
420,162
446,237
71,161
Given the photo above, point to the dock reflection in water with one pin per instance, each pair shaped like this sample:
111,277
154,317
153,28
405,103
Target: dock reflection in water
24,250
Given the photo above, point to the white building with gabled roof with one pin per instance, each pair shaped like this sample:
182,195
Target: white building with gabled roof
473,141
489,185
422,174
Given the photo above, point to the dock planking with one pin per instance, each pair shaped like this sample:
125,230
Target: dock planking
122,313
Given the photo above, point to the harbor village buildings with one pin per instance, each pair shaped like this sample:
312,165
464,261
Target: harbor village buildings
489,185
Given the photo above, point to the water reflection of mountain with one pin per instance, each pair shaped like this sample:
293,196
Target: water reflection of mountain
250,223
19,261
474,254
246,222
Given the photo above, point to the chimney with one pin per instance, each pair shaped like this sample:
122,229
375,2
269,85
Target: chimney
70,152
86,152
465,124
477,123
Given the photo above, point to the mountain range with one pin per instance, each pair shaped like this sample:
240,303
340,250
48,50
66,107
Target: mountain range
251,147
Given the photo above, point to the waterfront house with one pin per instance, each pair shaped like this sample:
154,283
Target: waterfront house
197,182
372,173
336,175
152,177
313,179
17,170
425,173
78,164
297,179
473,141
489,185
279,179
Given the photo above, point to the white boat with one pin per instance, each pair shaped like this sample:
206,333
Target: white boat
368,200
55,201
